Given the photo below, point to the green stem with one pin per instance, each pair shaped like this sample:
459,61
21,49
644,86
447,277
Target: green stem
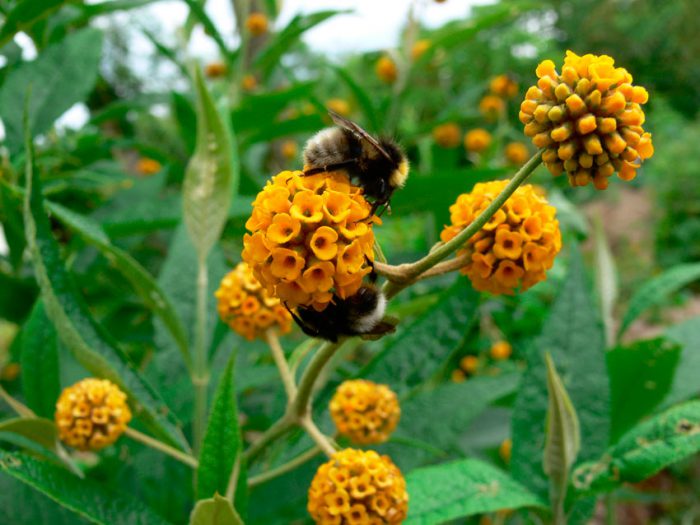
300,405
162,447
200,378
284,468
278,429
323,442
411,271
278,355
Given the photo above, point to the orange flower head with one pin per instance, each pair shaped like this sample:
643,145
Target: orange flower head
501,350
447,135
469,364
358,486
256,23
365,411
515,247
339,105
311,237
249,82
248,308
289,149
420,47
516,153
588,118
386,70
146,166
91,414
215,69
477,140
505,450
504,86
458,376
491,106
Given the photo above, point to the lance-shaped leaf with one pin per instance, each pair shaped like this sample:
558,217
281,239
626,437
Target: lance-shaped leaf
24,14
74,324
222,446
657,290
215,511
210,176
606,281
92,501
661,441
562,437
39,361
62,75
143,283
462,488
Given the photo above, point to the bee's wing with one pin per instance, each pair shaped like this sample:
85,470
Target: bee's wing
358,131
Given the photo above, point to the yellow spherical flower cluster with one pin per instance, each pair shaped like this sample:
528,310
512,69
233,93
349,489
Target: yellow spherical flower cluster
386,70
477,140
358,486
501,350
247,307
515,247
310,237
516,153
215,69
589,118
365,411
420,47
504,86
256,23
447,135
146,166
289,149
91,414
491,106
339,105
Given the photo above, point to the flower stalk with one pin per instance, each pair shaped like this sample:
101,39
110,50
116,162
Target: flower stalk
153,443
200,377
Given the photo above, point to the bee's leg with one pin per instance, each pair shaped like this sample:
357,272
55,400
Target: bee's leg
373,274
311,332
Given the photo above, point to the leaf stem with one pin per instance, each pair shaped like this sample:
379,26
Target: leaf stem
278,355
200,378
162,447
403,275
323,442
285,467
300,404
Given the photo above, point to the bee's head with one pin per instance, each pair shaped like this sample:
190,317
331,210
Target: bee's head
400,172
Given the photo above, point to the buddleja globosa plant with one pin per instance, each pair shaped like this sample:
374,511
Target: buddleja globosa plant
311,242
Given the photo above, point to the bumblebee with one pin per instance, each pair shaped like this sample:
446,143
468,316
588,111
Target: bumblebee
379,165
360,314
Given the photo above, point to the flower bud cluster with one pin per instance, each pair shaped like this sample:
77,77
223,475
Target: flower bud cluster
588,118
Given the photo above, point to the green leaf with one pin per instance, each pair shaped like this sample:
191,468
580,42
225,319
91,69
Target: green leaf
462,488
562,437
284,41
24,14
86,498
38,430
76,328
210,177
215,511
143,283
574,336
657,443
363,99
640,378
656,290
419,351
39,362
222,446
257,108
197,11
685,381
63,74
431,416
606,281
